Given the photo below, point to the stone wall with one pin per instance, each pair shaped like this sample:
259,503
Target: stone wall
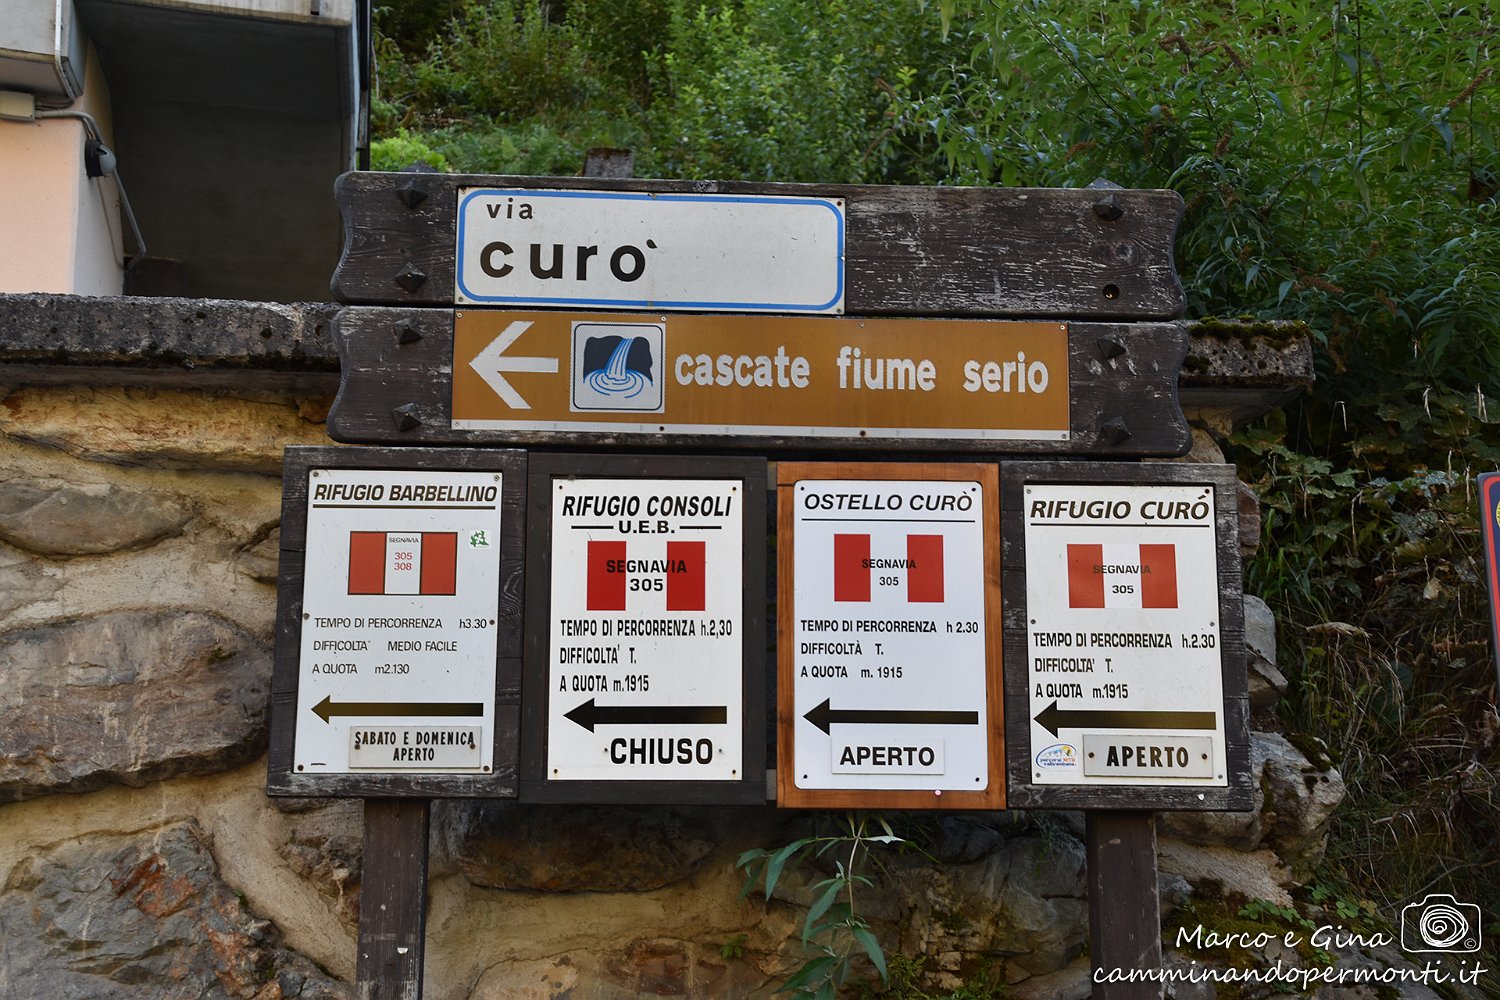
140,444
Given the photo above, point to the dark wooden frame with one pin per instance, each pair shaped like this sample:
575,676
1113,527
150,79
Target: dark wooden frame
1023,794
788,795
750,788
396,387
910,251
501,781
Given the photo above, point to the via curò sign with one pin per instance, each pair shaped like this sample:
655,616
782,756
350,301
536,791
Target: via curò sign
649,250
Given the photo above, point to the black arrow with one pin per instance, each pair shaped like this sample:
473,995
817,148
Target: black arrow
588,715
824,716
1053,718
328,707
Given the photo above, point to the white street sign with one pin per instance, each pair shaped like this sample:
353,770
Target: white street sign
638,250
889,665
645,672
400,596
1124,670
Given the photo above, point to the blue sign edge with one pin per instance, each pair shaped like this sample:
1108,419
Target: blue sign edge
1489,532
458,270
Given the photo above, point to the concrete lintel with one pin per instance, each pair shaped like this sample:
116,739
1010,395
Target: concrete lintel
189,342
1245,368
1242,369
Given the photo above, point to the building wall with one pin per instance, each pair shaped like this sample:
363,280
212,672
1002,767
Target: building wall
62,229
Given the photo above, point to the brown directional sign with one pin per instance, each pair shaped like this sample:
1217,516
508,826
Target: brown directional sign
761,375
491,376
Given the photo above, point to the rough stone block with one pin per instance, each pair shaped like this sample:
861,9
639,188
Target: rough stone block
129,697
1024,899
1300,801
505,845
56,518
326,847
1294,800
24,580
146,915
165,428
1267,684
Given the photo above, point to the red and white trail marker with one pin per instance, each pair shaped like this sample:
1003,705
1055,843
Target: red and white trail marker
395,562
610,570
922,566
1116,575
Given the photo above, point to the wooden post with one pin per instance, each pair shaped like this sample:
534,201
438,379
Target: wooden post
1124,903
393,900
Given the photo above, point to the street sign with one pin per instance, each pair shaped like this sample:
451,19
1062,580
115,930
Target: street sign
396,648
649,250
1125,630
761,376
644,638
889,635
1489,530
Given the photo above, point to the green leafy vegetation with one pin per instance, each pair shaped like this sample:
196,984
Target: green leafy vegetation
834,934
1339,166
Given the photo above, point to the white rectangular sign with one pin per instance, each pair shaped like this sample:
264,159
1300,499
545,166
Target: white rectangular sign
889,662
639,250
1124,669
399,601
415,748
645,670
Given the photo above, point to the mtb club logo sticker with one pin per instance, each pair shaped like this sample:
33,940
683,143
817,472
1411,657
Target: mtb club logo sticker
618,366
1058,755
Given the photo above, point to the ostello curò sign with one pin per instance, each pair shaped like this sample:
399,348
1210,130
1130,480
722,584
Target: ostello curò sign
761,375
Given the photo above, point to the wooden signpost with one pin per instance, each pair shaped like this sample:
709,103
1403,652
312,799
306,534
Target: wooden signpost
1123,602
1077,254
398,653
971,327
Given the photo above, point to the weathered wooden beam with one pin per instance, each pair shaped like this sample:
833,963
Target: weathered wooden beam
1124,903
1000,252
393,900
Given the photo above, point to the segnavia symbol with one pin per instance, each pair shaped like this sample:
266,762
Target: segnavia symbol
618,366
